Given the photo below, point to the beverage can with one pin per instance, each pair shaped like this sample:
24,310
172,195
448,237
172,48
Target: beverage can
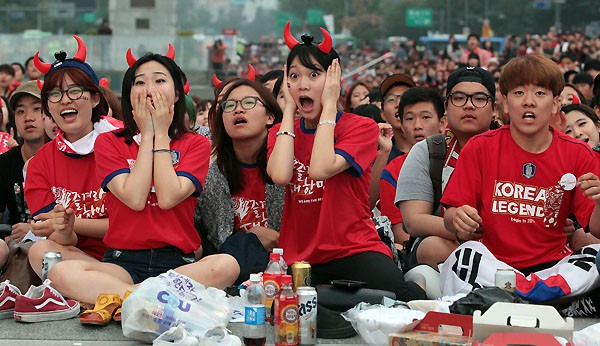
307,315
301,274
506,279
48,261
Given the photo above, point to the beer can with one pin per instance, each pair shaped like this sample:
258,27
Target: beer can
506,279
307,312
48,261
300,274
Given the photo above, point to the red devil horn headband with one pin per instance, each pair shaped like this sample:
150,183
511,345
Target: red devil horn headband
45,67
291,41
216,81
251,75
132,59
40,84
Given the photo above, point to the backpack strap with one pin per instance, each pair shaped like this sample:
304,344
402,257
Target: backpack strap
436,145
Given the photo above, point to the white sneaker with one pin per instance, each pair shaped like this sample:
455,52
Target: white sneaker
176,336
219,336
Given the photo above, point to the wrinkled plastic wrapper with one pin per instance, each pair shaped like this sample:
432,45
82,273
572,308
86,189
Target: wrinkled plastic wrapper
482,299
374,322
589,336
169,300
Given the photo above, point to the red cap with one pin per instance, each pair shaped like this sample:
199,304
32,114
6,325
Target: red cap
274,257
286,279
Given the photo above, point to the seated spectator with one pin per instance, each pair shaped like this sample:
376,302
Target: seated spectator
469,109
510,211
152,172
239,209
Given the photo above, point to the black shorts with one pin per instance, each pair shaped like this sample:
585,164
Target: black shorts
142,264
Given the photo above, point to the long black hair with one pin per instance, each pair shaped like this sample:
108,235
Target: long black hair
178,126
223,145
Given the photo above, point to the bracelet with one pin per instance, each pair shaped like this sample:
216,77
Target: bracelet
285,133
161,151
329,122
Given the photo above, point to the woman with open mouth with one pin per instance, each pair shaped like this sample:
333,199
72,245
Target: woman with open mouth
239,208
62,174
324,160
153,172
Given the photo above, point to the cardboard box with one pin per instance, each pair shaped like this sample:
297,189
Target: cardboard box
508,339
437,329
521,318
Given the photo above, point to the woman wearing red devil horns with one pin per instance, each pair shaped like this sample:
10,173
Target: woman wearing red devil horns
153,172
61,177
324,160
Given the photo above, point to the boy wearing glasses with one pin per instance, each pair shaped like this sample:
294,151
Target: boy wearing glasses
511,193
469,109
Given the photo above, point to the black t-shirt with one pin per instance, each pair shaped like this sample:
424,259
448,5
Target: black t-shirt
11,186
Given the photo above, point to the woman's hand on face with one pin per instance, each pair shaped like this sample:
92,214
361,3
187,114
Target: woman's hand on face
162,113
141,113
331,91
290,104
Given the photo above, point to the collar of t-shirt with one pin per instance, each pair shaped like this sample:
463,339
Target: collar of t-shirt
84,145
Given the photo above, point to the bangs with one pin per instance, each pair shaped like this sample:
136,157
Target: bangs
531,70
306,55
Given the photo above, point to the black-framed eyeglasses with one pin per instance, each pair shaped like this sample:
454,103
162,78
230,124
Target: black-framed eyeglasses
391,98
73,93
247,103
478,100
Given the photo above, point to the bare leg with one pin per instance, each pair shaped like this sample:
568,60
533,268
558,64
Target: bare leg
3,253
434,250
85,280
217,271
581,239
37,250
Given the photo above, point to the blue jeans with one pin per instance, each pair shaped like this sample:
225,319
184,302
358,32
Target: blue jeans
142,264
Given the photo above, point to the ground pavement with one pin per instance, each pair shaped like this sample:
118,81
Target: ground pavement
72,333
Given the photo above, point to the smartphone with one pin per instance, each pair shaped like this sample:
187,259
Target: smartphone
352,284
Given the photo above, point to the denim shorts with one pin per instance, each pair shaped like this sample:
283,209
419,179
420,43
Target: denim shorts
142,264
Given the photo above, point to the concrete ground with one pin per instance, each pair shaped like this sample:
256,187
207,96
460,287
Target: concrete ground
72,333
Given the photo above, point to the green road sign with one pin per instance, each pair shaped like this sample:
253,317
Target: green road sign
419,17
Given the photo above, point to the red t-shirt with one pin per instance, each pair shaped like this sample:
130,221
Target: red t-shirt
518,196
249,204
387,190
54,176
327,220
152,227
4,142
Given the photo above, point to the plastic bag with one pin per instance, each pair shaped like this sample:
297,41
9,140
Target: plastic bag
170,300
375,322
482,299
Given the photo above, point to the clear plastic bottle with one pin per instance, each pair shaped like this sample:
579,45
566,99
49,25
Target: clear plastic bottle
254,313
286,318
272,282
284,265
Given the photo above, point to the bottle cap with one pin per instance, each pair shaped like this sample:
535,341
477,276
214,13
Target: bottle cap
274,257
278,250
286,279
255,278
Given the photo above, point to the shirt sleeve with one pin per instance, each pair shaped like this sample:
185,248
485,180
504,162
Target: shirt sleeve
414,182
194,162
38,187
357,143
464,186
582,206
387,193
110,161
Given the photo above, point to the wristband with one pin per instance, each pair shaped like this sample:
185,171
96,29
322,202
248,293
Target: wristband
161,151
328,122
285,133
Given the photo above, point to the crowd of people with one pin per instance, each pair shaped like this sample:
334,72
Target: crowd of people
456,163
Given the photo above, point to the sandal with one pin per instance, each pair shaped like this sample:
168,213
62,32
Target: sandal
117,315
106,305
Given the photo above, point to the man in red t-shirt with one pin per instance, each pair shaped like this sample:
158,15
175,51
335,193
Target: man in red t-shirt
511,208
421,112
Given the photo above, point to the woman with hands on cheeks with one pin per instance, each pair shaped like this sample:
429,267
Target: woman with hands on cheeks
153,172
324,160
